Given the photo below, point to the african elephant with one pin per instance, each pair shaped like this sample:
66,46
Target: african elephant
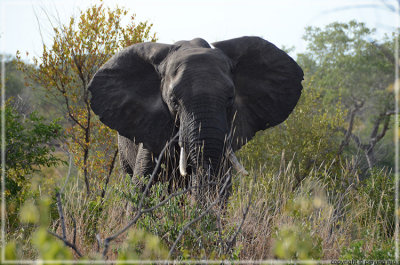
216,96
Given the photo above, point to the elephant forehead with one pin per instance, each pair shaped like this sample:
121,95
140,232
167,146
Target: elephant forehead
197,58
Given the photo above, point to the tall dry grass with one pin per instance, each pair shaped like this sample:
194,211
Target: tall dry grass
90,219
329,209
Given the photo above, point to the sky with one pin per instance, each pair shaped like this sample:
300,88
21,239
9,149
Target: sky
281,22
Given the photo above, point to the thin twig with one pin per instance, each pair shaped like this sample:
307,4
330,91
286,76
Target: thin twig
61,214
349,132
66,242
155,170
111,168
140,212
198,217
219,226
62,220
74,235
68,174
98,242
375,135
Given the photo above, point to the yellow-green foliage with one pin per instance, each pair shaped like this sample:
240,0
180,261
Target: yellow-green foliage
64,70
296,242
36,215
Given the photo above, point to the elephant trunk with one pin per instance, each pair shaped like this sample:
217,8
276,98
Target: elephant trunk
206,143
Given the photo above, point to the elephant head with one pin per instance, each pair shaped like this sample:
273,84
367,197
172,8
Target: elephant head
210,94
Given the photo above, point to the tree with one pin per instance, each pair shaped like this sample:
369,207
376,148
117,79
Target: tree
65,68
345,61
14,80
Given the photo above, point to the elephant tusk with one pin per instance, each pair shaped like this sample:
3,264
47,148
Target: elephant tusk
235,162
182,162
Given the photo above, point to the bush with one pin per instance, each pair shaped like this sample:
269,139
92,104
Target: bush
203,240
29,149
357,251
308,137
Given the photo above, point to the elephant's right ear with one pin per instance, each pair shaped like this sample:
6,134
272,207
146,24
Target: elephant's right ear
127,97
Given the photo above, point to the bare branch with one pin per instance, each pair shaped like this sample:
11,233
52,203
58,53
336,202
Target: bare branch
62,220
39,25
61,214
199,217
140,212
70,113
111,168
374,138
155,170
98,242
376,127
74,236
384,129
68,174
80,71
349,132
67,243
375,135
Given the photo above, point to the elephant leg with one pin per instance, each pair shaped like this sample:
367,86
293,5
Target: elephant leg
227,191
135,159
127,154
145,163
125,167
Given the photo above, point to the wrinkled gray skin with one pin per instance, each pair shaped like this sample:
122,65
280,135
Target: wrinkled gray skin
150,91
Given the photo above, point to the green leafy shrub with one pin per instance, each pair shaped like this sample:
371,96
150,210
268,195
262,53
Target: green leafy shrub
203,239
357,251
28,146
308,137
28,150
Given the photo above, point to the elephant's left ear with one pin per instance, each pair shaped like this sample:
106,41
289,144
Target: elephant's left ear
268,85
